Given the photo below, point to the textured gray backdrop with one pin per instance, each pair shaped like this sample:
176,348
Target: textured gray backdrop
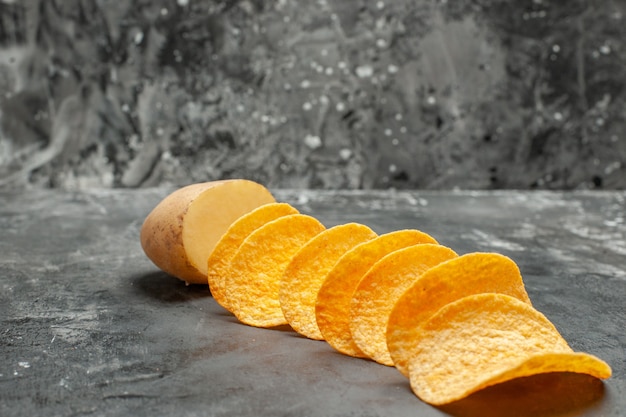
313,94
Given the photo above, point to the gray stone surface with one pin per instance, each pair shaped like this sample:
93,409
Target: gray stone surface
88,326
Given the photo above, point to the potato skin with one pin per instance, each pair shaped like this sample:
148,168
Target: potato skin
161,233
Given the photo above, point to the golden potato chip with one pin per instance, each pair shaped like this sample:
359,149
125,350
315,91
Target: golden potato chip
380,288
332,307
308,269
219,260
484,339
456,278
252,285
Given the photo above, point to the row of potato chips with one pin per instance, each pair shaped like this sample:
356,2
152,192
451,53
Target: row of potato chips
452,324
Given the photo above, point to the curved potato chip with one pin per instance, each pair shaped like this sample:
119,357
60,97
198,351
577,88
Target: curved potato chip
219,260
332,307
456,278
308,269
252,286
380,288
484,339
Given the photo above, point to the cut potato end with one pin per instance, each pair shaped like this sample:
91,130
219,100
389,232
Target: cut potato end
181,231
212,212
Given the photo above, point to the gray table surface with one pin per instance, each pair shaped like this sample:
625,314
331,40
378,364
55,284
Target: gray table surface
88,325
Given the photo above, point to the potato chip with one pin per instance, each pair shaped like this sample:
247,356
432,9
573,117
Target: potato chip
252,286
332,308
456,278
380,288
484,339
219,261
308,269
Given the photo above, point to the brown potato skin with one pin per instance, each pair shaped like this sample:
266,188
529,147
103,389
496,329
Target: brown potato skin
161,233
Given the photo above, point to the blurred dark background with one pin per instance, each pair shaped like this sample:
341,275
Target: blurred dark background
470,94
